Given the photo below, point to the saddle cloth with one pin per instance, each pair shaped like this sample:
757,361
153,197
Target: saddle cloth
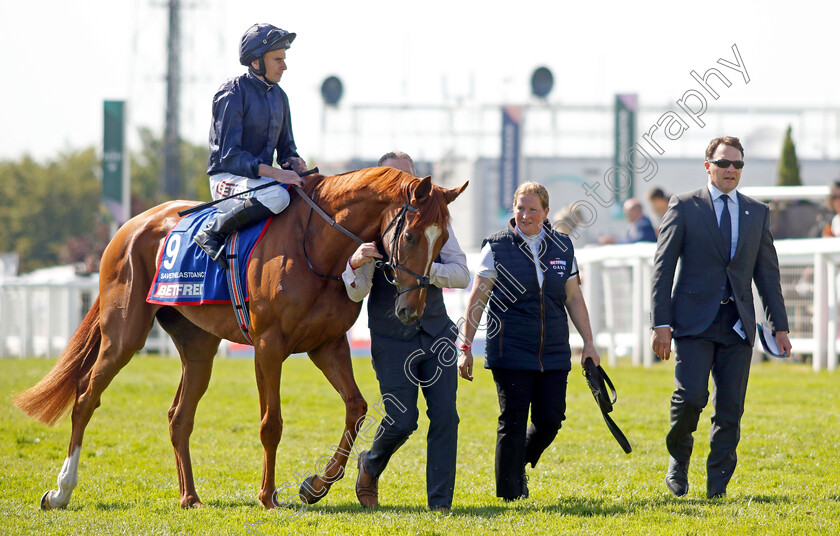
186,275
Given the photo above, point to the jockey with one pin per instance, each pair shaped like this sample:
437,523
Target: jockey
251,120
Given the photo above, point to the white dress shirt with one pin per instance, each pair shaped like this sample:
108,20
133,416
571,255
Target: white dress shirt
451,272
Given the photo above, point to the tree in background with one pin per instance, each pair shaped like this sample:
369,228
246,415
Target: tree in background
788,173
42,206
51,212
147,167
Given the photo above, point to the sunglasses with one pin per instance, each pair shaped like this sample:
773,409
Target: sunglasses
723,163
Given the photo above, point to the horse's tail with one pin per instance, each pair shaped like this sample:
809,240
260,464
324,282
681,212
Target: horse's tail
50,398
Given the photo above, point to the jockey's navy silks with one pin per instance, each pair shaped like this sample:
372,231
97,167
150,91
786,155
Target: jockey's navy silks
251,119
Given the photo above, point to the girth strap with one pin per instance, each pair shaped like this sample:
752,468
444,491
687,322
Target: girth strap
236,287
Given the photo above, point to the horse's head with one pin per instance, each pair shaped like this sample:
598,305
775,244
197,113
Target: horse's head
412,235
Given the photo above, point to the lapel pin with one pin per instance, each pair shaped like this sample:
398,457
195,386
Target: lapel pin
746,212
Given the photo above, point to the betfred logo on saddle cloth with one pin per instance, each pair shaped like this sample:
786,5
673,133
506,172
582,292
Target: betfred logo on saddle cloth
186,275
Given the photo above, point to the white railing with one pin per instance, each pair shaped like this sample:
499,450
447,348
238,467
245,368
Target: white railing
616,284
37,319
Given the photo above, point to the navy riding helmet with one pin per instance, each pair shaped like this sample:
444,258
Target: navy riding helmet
259,39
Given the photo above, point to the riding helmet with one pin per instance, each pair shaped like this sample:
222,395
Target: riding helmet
262,38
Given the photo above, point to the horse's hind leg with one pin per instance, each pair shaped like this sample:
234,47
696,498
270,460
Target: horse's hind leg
197,349
123,331
333,358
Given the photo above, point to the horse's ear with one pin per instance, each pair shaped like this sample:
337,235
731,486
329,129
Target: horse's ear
421,191
451,195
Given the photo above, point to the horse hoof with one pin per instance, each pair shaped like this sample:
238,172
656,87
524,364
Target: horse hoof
45,501
307,491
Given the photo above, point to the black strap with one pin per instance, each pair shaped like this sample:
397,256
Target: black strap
608,382
598,380
306,255
618,434
314,206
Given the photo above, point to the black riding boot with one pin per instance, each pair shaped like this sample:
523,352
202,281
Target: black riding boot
212,238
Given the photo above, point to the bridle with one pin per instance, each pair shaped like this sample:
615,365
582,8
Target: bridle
388,266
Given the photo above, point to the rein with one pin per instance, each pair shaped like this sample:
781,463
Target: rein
389,266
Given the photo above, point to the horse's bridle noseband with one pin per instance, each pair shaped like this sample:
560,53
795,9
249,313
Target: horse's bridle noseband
388,266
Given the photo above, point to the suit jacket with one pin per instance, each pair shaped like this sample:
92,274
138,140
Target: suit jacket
689,232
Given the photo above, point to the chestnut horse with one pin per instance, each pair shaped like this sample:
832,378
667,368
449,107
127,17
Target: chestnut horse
291,310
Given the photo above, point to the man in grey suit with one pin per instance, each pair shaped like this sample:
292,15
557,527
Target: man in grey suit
723,241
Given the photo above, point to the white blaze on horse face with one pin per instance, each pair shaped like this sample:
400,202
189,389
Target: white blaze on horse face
432,234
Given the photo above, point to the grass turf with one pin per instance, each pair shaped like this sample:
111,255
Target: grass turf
787,481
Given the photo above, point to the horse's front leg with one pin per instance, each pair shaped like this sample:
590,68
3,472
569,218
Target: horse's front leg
333,358
268,368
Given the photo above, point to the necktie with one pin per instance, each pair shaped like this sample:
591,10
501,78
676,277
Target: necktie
726,235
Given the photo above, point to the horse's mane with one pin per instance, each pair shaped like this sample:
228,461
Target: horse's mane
384,183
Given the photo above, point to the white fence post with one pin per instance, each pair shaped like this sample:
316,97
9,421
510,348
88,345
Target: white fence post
820,357
831,331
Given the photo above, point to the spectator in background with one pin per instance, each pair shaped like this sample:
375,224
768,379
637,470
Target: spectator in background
565,222
639,228
831,227
659,202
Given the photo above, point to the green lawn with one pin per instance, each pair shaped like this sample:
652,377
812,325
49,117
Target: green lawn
787,481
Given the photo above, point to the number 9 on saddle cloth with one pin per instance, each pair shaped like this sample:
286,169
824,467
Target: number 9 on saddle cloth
185,275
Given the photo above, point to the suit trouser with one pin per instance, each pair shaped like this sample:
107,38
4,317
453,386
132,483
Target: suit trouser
719,350
544,393
402,368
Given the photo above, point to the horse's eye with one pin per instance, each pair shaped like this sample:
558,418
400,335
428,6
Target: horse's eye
410,238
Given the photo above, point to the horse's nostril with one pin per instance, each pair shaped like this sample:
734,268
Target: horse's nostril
405,316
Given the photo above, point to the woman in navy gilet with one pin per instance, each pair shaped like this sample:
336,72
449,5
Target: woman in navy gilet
529,277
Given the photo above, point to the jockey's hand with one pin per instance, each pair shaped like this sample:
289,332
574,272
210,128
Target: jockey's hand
295,163
364,254
286,176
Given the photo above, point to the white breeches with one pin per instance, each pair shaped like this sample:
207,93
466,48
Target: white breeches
276,198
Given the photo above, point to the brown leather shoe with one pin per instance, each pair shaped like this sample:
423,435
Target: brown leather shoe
367,487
